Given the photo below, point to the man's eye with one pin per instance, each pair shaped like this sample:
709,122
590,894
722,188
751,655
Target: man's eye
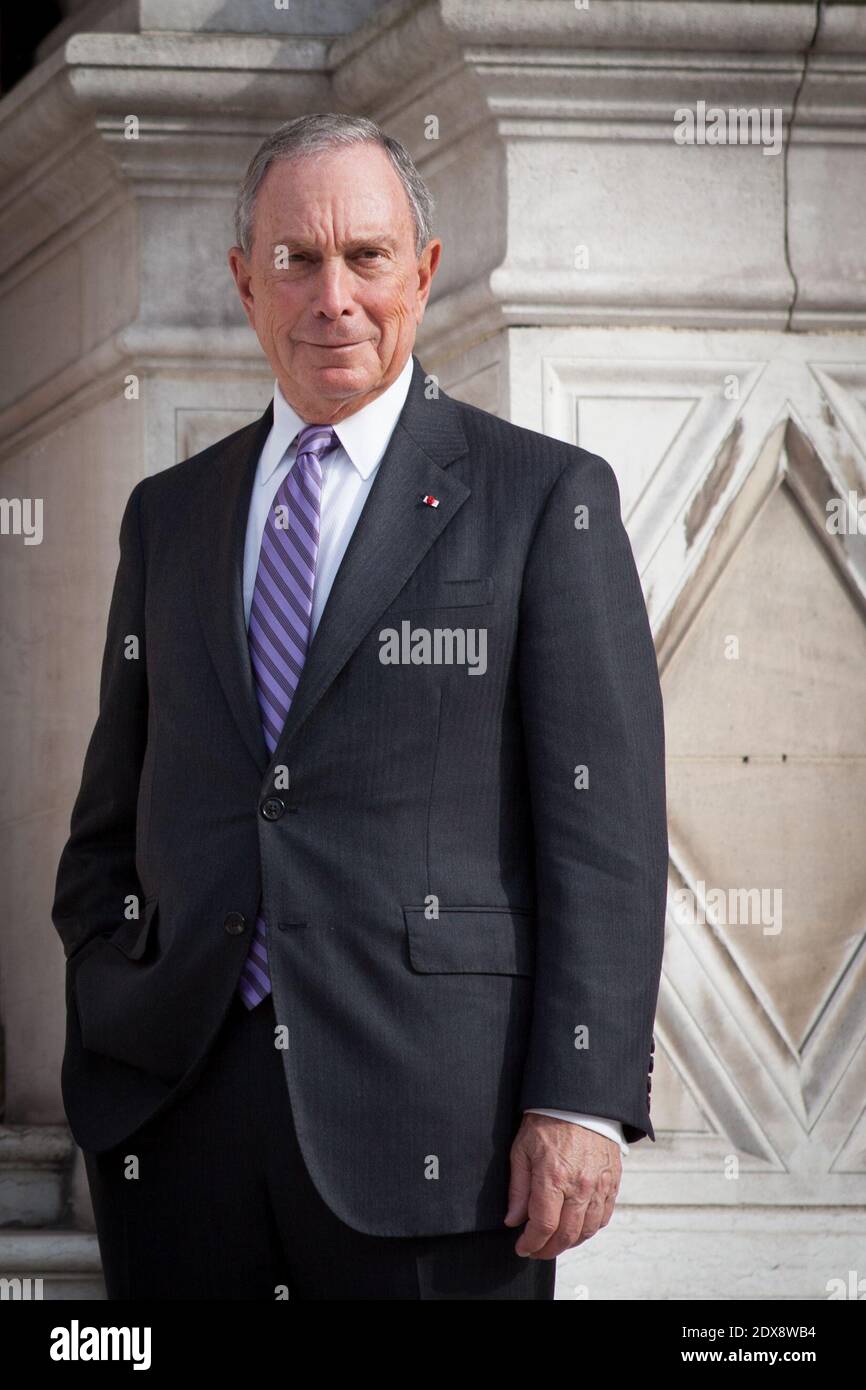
369,254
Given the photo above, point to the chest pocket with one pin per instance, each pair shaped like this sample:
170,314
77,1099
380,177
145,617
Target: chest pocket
444,593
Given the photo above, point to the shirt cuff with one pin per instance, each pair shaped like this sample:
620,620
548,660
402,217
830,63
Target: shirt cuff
611,1129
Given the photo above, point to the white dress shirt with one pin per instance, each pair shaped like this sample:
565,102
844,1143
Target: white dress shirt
347,476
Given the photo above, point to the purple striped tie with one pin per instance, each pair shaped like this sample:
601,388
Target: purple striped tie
279,627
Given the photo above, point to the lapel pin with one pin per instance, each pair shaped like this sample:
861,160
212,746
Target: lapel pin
429,500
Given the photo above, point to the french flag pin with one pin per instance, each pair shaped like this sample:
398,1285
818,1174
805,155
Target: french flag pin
429,500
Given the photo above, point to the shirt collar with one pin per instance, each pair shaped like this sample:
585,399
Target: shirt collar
364,436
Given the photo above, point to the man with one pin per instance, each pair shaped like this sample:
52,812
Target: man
364,892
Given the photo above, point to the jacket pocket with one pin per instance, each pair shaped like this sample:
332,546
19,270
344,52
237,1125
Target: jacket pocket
471,940
445,593
131,937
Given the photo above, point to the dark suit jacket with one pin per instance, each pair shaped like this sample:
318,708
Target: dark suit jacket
414,1042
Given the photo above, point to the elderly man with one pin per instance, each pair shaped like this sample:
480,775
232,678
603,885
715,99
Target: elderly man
364,933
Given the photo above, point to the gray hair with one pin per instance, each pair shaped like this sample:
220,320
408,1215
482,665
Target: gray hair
326,130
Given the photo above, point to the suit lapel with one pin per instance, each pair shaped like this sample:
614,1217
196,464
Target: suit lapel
219,522
394,532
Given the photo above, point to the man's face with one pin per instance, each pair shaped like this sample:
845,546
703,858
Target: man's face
332,286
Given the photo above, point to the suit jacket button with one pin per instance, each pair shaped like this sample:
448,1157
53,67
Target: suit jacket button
652,1064
273,808
235,923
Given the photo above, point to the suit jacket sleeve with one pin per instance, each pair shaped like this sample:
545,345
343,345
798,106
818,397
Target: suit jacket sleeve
97,869
590,697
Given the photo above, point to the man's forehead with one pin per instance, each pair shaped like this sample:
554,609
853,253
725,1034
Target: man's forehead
359,212
369,203
355,235
362,169
336,211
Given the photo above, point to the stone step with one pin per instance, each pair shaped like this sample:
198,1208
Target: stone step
49,1265
36,1162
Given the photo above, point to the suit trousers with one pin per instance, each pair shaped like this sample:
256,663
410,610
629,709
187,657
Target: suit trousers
220,1204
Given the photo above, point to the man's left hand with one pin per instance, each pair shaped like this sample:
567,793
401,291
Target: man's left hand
564,1184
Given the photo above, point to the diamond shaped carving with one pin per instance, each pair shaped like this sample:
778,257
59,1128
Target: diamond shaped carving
767,761
767,789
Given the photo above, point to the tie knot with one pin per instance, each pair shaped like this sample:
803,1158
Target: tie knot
316,440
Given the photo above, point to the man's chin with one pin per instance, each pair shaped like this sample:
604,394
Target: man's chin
343,375
337,379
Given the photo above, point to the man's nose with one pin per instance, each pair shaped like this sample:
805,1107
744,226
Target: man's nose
333,289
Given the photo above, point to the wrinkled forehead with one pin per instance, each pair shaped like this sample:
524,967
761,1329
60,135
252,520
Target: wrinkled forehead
334,197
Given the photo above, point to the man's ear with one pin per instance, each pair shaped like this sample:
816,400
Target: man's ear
243,280
427,265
